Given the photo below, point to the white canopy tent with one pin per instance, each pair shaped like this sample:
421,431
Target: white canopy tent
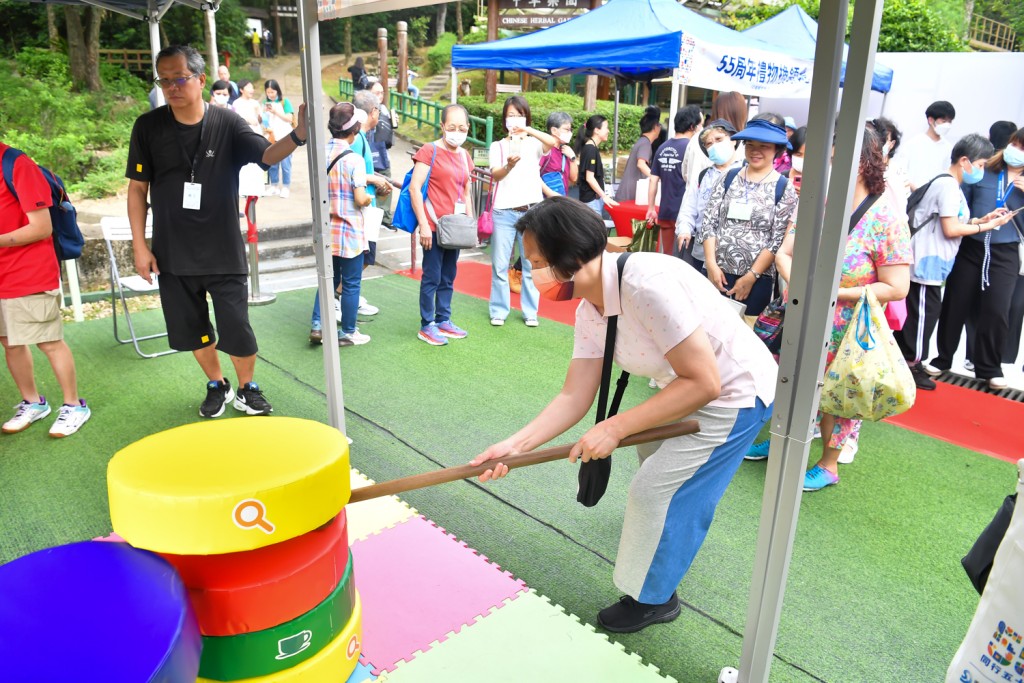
816,268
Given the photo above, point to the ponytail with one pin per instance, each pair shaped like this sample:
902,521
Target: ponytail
586,132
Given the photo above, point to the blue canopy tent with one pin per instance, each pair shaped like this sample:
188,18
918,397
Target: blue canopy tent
795,30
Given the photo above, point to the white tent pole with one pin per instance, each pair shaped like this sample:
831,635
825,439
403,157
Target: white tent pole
153,18
615,133
455,85
312,94
673,104
817,262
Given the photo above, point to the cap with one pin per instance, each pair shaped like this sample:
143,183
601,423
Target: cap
723,124
790,123
759,130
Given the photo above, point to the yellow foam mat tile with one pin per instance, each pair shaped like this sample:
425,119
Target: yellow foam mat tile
374,515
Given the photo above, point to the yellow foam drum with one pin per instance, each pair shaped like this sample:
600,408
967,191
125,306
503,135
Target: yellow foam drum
221,487
334,663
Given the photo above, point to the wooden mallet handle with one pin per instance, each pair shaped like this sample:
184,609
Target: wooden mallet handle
419,481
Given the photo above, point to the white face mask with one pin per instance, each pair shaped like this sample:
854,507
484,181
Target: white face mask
455,138
515,122
798,164
942,128
220,99
565,136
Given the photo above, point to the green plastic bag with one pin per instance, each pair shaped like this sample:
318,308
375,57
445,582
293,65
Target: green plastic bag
869,378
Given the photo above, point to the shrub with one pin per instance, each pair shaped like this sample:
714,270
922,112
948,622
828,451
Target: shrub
439,57
543,104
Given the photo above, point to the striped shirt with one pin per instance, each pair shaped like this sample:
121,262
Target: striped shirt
347,237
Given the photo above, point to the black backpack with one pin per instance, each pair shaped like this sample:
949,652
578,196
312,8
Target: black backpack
780,184
67,237
915,198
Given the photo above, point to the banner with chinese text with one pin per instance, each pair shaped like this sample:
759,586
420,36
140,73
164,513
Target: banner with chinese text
749,71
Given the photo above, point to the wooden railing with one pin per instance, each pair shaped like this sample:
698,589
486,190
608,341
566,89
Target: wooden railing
988,34
136,61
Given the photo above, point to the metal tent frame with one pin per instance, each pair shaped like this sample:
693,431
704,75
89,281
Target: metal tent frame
817,264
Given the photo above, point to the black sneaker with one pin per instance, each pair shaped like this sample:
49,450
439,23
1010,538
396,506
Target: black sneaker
217,396
921,377
250,400
628,615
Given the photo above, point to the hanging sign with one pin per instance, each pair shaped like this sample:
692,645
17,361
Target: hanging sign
749,71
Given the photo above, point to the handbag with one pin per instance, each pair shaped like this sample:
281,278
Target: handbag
991,649
485,223
868,379
404,218
768,326
594,475
555,180
456,231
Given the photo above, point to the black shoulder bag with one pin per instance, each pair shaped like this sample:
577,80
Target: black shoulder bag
594,475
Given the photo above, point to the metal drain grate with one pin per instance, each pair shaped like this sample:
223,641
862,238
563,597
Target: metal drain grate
980,385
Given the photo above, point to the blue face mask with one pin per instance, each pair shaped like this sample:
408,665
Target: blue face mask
1013,156
721,152
974,176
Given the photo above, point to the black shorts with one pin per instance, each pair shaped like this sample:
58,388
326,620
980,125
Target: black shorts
183,298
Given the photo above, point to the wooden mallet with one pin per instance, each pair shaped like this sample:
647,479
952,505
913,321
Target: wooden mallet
419,481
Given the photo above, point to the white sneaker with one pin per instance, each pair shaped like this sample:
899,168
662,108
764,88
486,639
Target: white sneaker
997,383
367,308
357,338
70,419
968,366
25,414
531,322
653,384
272,190
285,192
931,369
497,322
849,452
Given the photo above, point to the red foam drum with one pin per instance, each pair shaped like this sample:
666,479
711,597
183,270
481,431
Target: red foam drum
263,588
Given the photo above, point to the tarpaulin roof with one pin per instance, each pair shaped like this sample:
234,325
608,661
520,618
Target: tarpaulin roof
794,29
624,38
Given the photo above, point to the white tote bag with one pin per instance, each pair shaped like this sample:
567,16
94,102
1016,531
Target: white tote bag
643,188
373,217
993,650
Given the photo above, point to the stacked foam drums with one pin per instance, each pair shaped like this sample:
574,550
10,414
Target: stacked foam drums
251,514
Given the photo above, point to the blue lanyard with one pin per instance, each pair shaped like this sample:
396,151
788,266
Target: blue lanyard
1001,196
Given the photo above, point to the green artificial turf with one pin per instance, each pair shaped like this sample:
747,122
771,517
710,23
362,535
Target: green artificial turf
875,590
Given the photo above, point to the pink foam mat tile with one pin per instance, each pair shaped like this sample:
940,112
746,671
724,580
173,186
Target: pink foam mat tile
418,584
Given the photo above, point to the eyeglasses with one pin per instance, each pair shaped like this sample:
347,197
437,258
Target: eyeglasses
168,82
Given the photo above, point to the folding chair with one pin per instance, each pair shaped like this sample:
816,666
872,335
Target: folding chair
118,230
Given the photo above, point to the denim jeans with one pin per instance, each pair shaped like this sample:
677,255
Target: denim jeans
597,205
502,241
285,168
348,272
438,283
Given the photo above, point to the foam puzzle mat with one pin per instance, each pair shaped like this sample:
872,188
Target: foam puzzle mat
434,608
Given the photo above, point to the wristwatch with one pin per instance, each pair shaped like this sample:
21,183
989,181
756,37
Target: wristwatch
756,275
295,138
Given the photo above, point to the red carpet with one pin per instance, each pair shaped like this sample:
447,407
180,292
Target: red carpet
474,279
972,419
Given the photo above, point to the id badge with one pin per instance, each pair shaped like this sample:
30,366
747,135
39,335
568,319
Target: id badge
460,208
192,196
739,211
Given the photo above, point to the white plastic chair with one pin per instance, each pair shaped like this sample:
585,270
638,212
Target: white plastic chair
117,229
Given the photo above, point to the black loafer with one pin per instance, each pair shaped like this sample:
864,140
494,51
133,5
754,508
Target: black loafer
629,616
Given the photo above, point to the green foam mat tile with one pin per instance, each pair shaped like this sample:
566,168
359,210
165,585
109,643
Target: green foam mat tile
527,639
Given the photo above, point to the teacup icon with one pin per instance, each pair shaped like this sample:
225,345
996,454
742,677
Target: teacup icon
293,645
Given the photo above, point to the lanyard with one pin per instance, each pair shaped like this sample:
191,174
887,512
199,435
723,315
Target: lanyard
194,162
1002,196
460,170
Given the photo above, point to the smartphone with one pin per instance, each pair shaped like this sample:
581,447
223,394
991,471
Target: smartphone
1016,211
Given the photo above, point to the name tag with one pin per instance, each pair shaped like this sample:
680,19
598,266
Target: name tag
460,208
192,196
739,211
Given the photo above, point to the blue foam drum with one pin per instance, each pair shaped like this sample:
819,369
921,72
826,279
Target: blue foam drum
96,609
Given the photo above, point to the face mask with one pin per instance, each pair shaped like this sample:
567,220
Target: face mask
1013,156
974,175
455,138
885,150
565,136
551,288
942,128
220,99
514,122
798,164
721,152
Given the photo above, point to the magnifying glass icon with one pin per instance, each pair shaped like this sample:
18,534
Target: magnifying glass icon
252,513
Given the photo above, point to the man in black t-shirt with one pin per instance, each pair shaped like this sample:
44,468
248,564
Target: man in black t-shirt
185,157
